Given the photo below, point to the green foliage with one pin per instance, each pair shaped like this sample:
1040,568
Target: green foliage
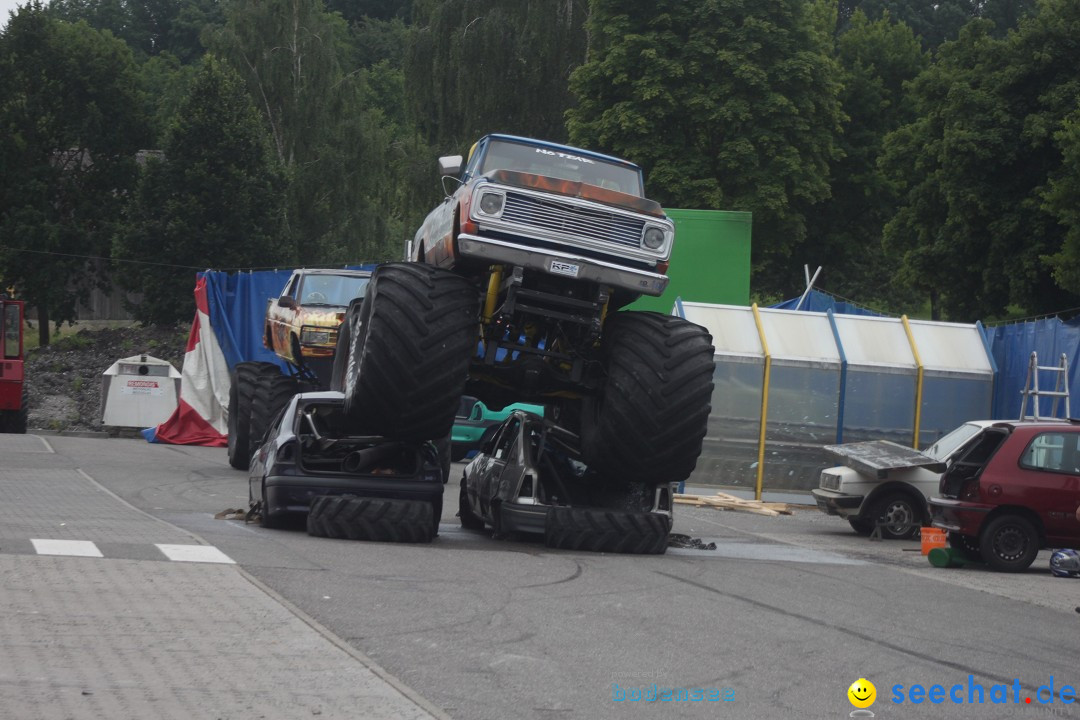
214,201
479,66
727,104
877,60
937,21
334,148
71,122
982,168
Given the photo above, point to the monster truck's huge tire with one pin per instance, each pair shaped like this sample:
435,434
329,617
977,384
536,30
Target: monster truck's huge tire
597,530
409,351
346,517
274,392
244,385
650,419
344,341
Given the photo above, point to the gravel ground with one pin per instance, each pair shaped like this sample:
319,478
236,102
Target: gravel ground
64,379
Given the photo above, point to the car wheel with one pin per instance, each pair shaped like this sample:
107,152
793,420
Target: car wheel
1009,543
345,517
861,525
469,519
267,519
966,545
898,515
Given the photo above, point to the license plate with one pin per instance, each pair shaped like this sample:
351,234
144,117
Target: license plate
564,268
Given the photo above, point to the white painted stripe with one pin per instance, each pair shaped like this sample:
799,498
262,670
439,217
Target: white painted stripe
79,548
195,553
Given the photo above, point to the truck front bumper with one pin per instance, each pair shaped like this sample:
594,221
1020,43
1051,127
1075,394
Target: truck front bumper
490,250
831,502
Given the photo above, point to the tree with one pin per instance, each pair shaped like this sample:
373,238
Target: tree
727,104
335,148
213,201
479,66
983,168
845,231
937,21
71,121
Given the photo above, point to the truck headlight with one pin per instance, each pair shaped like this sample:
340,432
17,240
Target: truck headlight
314,336
491,203
653,238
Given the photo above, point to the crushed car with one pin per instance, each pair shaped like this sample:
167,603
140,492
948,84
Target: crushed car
529,478
349,486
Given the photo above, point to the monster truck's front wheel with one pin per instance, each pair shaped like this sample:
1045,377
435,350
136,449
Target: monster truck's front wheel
599,530
409,351
245,384
346,517
650,419
273,392
21,417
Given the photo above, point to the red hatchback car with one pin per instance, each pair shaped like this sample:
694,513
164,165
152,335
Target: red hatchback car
1012,490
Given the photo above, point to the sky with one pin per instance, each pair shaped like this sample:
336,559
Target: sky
6,6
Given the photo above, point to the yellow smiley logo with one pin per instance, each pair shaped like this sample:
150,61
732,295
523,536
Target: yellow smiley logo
862,693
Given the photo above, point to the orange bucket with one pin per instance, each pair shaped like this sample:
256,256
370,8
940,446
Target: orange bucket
932,538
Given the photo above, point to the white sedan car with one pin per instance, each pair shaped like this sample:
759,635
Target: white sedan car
885,485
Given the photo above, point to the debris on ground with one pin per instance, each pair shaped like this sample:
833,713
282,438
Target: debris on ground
677,540
724,501
231,514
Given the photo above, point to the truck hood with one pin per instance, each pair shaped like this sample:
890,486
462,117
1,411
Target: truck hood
577,189
877,457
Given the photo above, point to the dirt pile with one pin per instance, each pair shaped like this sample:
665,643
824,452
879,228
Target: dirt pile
64,379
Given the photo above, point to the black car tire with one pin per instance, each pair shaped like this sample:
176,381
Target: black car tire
653,411
1009,543
966,545
244,385
409,359
346,517
597,530
469,519
267,519
861,525
902,510
274,391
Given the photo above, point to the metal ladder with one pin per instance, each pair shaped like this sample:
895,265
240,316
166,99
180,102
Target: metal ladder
1031,388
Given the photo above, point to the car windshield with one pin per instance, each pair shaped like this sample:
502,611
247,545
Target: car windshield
565,165
945,447
331,289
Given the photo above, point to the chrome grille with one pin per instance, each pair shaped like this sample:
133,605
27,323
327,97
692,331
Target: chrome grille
563,217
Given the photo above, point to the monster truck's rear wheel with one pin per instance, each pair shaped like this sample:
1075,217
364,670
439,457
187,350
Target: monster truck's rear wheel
409,351
274,391
650,419
245,384
346,517
344,341
597,530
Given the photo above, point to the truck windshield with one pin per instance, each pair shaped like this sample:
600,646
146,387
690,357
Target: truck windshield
335,290
561,164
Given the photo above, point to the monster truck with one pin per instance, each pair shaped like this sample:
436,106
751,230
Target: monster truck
14,404
301,328
513,293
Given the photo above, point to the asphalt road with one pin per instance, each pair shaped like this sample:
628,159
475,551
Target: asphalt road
780,619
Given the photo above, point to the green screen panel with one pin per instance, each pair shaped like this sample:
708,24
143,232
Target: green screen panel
710,262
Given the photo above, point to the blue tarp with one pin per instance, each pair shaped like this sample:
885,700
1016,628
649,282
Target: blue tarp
238,308
1012,345
818,301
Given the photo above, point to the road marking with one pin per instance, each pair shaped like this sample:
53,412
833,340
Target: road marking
195,553
79,548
